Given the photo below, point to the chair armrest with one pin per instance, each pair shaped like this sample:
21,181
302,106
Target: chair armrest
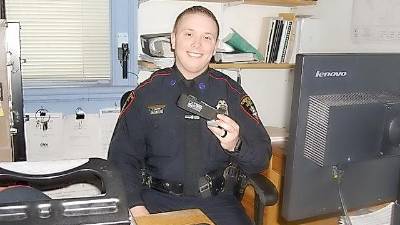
264,188
265,195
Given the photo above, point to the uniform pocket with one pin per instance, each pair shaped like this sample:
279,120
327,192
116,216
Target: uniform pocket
163,137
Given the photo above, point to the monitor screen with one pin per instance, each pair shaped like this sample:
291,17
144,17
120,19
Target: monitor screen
345,120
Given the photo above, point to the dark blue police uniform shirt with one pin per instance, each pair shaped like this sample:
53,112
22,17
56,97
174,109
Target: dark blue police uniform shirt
150,130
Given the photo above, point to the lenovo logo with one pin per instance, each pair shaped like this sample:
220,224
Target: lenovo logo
330,74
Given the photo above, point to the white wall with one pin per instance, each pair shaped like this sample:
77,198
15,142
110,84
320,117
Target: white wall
330,29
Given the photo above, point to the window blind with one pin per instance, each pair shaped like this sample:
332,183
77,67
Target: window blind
63,40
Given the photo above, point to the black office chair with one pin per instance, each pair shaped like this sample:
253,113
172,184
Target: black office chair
124,98
108,208
265,191
265,195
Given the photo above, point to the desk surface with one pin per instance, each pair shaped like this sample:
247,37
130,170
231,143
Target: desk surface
182,217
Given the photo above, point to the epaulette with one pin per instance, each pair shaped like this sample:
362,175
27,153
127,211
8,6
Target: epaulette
224,78
158,73
132,96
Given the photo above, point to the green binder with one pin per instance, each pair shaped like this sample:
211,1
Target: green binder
240,44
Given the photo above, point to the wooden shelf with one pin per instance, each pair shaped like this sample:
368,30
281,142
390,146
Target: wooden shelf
251,66
151,67
288,3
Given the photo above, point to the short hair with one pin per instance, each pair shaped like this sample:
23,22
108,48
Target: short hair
196,10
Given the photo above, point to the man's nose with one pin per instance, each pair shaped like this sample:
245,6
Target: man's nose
196,42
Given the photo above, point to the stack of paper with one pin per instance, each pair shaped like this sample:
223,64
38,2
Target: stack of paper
378,217
222,57
159,62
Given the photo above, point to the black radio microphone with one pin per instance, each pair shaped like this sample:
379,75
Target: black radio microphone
200,108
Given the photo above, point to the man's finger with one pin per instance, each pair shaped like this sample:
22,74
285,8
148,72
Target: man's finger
218,132
228,120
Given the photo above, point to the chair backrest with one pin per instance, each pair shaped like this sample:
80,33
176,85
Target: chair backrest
108,208
124,98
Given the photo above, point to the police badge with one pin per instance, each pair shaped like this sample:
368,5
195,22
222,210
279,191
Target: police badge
222,107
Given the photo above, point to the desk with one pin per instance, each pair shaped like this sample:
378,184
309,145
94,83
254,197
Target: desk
182,217
275,173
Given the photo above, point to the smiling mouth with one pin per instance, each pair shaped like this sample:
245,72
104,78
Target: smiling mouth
194,54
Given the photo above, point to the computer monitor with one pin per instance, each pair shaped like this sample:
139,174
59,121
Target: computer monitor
344,132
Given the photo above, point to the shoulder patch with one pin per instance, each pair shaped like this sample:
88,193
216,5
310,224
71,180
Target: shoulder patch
249,107
128,102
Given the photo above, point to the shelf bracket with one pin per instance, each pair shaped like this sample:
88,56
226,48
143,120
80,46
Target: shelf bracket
233,3
239,76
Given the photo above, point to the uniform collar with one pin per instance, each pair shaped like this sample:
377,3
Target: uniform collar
200,81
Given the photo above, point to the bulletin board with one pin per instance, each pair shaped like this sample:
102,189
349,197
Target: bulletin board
376,21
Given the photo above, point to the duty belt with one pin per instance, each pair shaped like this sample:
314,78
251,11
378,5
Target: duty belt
166,187
209,185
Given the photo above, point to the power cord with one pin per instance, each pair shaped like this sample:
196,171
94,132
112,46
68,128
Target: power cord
337,175
137,75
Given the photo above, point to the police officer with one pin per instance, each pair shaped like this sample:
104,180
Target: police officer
178,149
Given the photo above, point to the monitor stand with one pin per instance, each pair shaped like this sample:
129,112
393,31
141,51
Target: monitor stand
396,213
396,210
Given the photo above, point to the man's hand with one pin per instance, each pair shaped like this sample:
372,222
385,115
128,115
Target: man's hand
140,210
226,124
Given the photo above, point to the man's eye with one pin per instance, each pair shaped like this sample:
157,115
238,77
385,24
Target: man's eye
188,34
209,38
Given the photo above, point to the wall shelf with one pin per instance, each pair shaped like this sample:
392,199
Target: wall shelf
147,66
288,3
251,66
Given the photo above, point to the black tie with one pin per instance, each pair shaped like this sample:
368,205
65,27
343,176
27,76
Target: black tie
193,155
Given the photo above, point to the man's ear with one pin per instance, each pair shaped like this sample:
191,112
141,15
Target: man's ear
216,46
173,40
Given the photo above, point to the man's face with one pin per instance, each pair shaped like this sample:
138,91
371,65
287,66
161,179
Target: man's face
195,42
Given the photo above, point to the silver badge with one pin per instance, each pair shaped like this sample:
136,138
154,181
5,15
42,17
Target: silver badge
222,107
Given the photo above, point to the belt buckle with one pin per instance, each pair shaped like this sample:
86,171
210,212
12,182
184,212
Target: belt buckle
171,190
231,172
